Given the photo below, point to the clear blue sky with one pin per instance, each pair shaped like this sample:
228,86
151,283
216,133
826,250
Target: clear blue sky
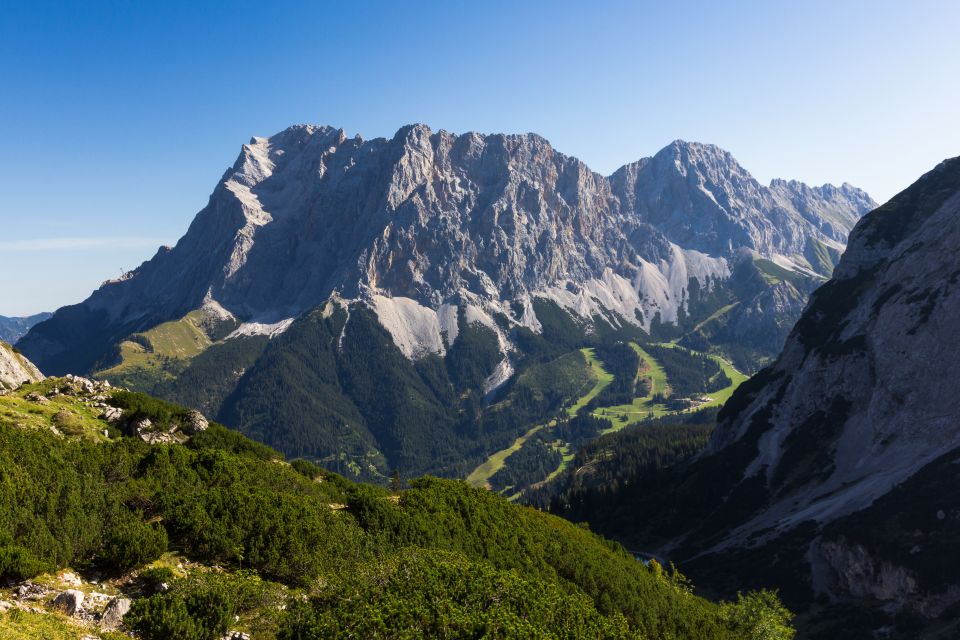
118,118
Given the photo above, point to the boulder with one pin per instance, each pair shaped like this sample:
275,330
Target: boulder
112,414
195,423
69,601
69,578
33,396
29,591
114,612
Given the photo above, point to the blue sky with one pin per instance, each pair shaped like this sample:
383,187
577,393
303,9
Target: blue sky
118,118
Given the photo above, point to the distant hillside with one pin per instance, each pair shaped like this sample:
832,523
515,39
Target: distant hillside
12,329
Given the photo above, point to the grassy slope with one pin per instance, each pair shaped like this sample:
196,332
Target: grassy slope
603,379
177,340
75,417
774,273
596,380
719,313
736,377
639,409
27,625
643,407
480,476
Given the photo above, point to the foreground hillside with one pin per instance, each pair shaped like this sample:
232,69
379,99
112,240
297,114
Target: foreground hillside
116,503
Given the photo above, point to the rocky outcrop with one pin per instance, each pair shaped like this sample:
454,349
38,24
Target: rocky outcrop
852,571
15,369
194,423
69,601
426,221
113,613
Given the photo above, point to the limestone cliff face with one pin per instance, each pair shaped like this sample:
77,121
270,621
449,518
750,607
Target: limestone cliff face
428,219
16,370
862,396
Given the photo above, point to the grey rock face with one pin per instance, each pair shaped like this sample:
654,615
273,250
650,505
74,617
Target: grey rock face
195,423
113,614
69,601
700,197
862,387
431,218
16,370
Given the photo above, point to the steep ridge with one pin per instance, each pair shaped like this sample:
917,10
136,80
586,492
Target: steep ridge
427,219
856,383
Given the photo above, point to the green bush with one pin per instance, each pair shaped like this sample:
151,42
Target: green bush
306,468
201,614
139,405
759,615
475,562
433,594
18,563
68,422
160,617
219,437
153,577
131,542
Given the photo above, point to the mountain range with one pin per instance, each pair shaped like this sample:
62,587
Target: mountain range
12,329
440,260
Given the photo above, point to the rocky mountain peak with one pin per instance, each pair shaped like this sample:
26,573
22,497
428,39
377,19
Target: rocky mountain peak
438,218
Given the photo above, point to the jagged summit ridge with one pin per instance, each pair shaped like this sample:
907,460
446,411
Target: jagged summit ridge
437,218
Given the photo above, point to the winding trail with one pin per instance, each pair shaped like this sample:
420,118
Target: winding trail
480,477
